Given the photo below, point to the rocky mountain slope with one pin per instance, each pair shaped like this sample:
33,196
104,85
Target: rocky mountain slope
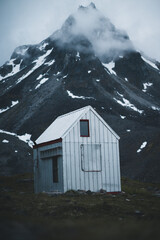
87,62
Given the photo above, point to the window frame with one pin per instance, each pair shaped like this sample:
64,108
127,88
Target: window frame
84,120
82,159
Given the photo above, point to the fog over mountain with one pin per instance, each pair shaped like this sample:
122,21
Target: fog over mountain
29,22
104,37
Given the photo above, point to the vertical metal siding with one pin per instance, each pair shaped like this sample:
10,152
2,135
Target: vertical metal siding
76,157
118,167
74,177
104,169
43,175
65,175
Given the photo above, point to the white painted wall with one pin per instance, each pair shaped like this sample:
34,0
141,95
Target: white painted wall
73,176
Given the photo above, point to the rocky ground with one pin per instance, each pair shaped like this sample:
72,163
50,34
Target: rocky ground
133,214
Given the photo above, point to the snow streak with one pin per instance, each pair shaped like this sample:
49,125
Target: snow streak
25,138
7,108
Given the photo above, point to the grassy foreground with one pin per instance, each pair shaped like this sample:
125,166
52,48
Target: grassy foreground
133,214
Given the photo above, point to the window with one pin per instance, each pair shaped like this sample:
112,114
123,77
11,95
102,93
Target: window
55,169
84,128
91,158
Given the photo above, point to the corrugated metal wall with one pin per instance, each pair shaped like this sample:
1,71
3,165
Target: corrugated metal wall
73,175
43,171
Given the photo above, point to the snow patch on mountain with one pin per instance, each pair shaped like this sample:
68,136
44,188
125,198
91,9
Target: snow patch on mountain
123,117
57,73
126,103
42,47
39,77
15,69
78,55
41,82
7,108
110,67
41,59
121,95
50,62
25,138
142,146
5,141
146,85
150,63
65,76
155,108
22,50
38,62
79,97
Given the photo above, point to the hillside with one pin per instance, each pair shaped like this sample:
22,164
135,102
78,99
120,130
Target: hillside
74,67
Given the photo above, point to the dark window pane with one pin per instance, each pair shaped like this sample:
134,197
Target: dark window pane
84,128
55,169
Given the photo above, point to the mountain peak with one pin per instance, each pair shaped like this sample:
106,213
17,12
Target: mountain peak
92,5
108,42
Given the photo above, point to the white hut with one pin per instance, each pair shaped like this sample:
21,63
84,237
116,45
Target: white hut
78,151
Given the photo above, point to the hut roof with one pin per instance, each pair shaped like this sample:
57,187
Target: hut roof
63,123
60,125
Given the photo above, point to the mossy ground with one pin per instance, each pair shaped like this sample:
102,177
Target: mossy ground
134,214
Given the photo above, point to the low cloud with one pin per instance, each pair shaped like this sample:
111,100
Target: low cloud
29,22
107,41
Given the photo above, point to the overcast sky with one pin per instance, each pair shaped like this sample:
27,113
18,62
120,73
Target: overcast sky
31,21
